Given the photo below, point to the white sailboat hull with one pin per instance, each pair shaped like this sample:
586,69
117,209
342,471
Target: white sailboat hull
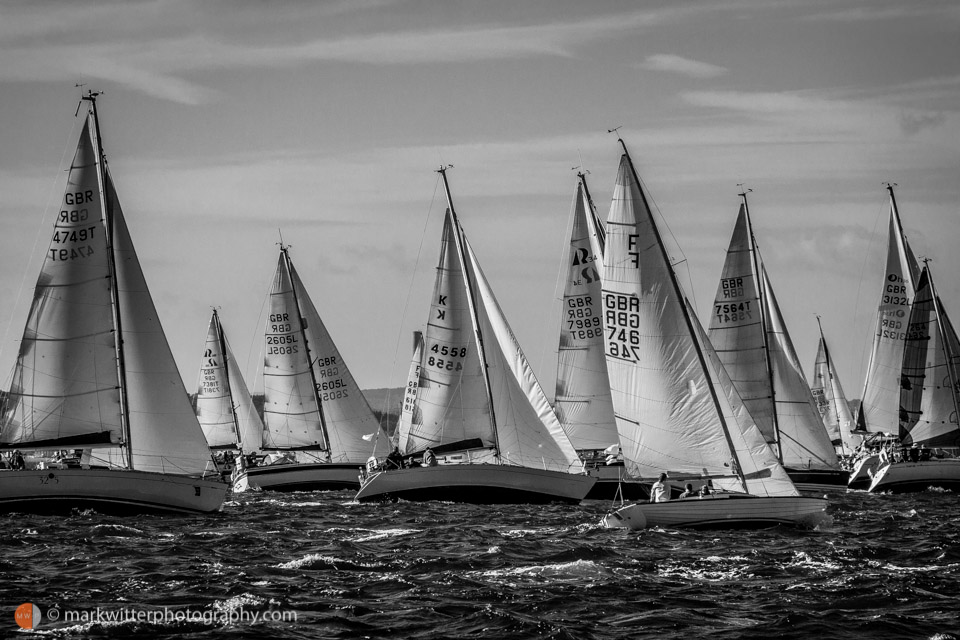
112,490
476,484
298,477
905,477
726,511
862,473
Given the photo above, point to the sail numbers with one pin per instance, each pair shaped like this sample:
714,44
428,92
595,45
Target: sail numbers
622,320
446,358
283,341
582,324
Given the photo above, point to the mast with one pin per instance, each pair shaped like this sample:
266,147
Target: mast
91,97
461,253
689,321
943,337
222,342
758,279
306,345
601,232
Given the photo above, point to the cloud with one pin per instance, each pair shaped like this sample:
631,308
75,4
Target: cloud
150,46
684,66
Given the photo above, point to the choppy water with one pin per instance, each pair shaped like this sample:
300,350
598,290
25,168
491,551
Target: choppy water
885,567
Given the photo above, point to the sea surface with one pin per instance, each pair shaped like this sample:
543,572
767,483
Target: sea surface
317,565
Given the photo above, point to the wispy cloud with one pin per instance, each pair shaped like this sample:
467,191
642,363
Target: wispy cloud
134,43
683,66
945,9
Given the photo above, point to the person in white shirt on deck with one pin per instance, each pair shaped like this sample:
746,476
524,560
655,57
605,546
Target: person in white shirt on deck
659,492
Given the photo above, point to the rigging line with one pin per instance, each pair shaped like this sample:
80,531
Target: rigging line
676,243
406,302
865,345
44,224
558,290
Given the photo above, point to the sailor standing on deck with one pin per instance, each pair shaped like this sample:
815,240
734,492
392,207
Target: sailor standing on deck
659,492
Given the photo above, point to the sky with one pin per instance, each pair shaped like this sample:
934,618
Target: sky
229,125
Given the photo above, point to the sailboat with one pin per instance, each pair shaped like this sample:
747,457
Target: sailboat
750,336
319,428
582,400
474,401
677,411
225,409
929,400
95,372
832,402
878,417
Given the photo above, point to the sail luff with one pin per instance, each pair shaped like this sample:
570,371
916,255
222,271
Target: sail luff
108,216
301,323
765,329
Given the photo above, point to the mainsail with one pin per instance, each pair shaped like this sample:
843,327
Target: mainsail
750,336
930,393
879,409
475,384
832,401
94,369
676,410
583,402
224,405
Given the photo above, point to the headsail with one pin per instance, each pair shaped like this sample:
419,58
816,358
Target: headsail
879,409
930,383
583,402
